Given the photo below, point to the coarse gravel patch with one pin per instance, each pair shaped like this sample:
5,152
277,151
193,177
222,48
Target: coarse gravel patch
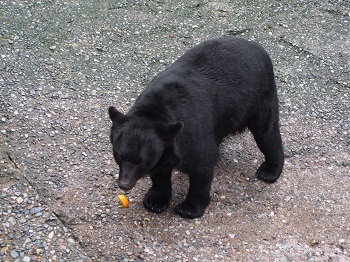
63,63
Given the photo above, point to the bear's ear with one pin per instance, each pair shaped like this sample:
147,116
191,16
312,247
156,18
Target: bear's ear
172,130
116,117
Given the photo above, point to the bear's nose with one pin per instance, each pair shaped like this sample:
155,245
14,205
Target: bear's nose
126,184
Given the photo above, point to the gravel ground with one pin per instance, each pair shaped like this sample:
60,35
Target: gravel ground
64,62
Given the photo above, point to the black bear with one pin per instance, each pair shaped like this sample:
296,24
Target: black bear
217,88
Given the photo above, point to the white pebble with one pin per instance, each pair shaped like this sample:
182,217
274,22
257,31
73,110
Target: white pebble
50,236
26,259
19,200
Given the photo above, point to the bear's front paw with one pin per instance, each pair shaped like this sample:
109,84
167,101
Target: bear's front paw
269,173
156,202
188,210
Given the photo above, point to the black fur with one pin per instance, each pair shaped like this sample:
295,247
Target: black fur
217,88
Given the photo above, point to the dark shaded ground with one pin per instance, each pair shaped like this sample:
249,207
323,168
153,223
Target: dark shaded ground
64,62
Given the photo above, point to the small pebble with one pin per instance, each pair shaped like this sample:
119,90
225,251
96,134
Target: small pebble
71,241
19,200
51,234
14,254
26,259
35,210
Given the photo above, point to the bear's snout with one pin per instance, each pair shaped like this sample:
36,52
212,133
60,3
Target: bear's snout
128,176
127,184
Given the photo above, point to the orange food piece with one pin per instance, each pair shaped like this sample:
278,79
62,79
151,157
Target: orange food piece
123,200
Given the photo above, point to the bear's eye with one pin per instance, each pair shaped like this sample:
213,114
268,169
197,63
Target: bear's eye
135,160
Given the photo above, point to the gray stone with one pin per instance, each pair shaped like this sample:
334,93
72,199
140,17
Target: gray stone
14,254
35,210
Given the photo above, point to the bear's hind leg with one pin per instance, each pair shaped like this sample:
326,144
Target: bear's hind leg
266,132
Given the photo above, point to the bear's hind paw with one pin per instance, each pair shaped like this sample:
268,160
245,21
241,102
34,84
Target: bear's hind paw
268,173
186,210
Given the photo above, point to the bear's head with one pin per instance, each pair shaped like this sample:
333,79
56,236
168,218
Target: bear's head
138,145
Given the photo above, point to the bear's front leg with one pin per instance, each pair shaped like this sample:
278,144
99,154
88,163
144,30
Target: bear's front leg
198,197
158,197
